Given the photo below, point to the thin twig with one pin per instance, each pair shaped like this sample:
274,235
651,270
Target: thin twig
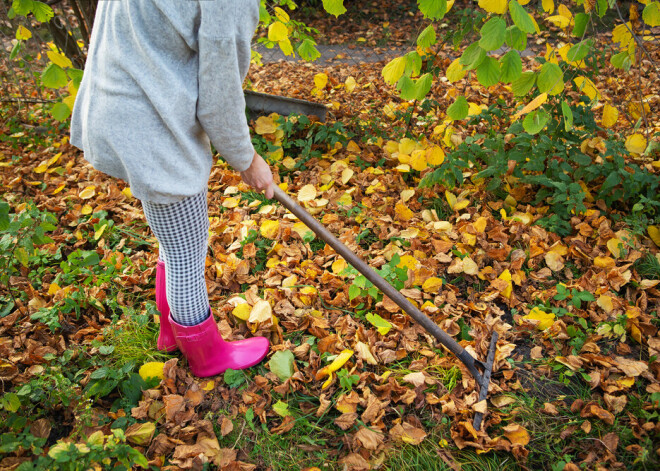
639,43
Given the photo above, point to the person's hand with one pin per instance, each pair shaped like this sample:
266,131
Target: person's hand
259,176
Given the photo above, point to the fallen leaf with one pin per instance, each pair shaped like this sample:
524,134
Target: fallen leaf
516,434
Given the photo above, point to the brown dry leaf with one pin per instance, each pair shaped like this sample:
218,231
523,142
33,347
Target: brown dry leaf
370,439
354,461
346,421
516,434
226,426
554,261
364,353
40,428
408,433
416,378
615,403
481,406
594,410
502,401
632,368
550,409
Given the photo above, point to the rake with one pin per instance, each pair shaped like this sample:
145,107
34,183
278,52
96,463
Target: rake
479,370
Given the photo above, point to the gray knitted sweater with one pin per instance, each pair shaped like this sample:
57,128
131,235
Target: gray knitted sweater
163,79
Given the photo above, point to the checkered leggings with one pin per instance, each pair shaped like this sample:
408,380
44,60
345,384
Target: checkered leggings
182,230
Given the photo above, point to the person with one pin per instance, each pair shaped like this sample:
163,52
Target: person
162,81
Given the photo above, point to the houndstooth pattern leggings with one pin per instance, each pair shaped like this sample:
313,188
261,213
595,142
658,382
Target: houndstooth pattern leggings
182,230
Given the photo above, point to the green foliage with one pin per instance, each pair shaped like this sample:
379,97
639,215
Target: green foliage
549,158
23,232
576,296
394,275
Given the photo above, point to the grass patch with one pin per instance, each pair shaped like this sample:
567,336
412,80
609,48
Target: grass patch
648,266
132,339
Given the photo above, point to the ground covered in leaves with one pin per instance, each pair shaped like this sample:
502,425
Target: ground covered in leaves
351,381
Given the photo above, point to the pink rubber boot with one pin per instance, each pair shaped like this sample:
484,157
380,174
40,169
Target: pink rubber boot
209,354
166,341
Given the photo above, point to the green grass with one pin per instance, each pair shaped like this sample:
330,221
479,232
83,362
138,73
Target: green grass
134,339
648,266
313,441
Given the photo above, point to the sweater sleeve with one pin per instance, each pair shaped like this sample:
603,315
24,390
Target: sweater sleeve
221,103
225,32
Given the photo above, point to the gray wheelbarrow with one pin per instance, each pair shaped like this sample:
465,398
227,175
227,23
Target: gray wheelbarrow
479,370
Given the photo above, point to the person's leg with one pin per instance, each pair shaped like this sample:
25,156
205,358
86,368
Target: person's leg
182,232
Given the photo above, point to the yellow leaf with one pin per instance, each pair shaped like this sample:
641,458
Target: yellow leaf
474,109
435,155
546,319
432,285
604,262
364,352
605,302
516,434
42,167
53,288
470,267
654,234
407,194
615,246
408,261
532,105
394,69
303,231
480,224
261,312
286,47
269,229
559,21
306,193
320,81
506,276
88,192
636,144
59,59
289,163
208,386
337,363
278,31
86,210
265,125
455,71
403,212
610,116
127,192
281,15
242,311
346,175
494,6
23,33
230,202
152,369
548,6
350,84
418,160
345,200
407,146
339,266
587,87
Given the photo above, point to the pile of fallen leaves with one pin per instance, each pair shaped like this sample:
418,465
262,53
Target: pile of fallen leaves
474,270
